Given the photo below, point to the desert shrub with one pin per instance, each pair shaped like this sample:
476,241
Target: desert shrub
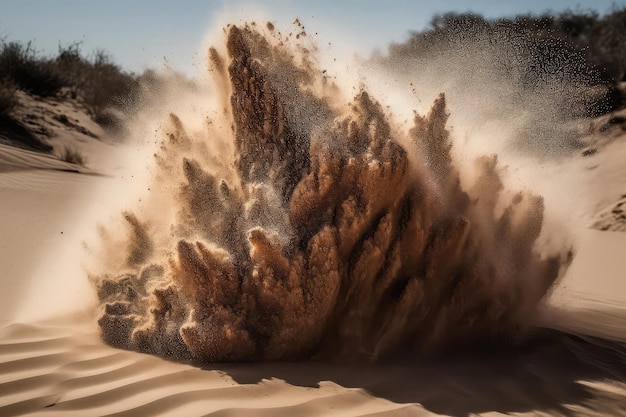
100,82
108,85
610,49
97,80
20,65
72,155
600,39
592,48
113,121
7,97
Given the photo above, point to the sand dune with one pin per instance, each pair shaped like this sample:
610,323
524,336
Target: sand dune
53,371
65,369
62,368
574,364
18,159
50,370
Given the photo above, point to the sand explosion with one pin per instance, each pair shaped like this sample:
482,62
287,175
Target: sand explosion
314,228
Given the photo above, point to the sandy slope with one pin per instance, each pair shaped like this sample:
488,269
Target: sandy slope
585,191
60,367
67,371
63,368
53,371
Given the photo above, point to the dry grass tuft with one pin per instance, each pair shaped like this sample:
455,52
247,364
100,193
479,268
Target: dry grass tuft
73,156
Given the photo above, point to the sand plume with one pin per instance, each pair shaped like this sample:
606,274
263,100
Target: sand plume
314,228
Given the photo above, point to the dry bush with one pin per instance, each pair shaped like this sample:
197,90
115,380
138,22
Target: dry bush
7,98
22,66
99,81
73,156
575,45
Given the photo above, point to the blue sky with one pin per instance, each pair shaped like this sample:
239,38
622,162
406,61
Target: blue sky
140,33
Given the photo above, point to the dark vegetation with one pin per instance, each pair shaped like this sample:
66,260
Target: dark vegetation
72,155
581,39
107,92
96,80
598,42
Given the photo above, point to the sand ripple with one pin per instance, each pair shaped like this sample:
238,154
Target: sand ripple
66,375
58,371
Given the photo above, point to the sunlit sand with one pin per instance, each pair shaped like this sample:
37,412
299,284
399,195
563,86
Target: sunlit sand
274,241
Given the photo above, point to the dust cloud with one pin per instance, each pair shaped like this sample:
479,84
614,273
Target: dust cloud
289,223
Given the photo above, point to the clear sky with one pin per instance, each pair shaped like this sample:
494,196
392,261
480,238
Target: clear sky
140,33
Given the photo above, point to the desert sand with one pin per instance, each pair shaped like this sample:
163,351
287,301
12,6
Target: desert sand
59,366
53,361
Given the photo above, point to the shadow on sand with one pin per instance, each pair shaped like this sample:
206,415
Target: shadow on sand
545,374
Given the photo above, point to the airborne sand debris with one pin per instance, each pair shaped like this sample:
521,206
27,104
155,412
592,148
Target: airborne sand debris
322,234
